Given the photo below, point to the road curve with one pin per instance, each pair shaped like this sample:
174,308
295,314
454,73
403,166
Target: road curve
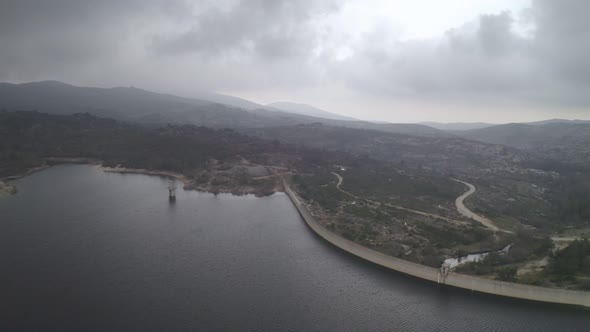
461,208
426,214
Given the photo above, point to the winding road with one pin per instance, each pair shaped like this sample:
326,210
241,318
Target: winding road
459,203
461,208
422,213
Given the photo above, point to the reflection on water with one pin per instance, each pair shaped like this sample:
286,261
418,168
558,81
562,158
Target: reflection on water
85,250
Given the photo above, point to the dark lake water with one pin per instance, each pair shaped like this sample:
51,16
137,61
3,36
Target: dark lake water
85,250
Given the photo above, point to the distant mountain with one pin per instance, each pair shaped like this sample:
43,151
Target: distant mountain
544,122
141,106
560,140
457,125
460,126
61,98
307,110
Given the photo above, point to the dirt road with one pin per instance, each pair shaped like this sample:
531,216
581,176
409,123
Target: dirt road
426,214
459,203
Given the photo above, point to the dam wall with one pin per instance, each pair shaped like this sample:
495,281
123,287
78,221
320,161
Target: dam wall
476,284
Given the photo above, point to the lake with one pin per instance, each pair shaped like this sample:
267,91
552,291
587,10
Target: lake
81,249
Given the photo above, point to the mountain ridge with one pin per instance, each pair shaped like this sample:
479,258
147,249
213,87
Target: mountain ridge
151,108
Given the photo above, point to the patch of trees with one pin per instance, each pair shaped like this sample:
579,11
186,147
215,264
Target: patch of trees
570,194
445,236
26,138
525,246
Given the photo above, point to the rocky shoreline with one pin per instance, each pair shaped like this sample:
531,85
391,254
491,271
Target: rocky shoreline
7,189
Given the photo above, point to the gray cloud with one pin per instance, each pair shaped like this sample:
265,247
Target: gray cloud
267,28
45,37
561,39
487,59
264,46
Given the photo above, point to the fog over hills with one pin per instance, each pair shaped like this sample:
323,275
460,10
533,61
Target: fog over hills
151,108
146,107
479,125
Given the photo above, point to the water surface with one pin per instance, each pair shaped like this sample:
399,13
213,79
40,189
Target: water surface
81,249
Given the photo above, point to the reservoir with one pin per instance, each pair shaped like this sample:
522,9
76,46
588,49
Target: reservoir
81,249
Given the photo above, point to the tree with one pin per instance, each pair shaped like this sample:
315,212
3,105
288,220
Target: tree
507,273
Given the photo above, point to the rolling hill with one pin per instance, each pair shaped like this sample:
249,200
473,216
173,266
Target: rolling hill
150,108
558,140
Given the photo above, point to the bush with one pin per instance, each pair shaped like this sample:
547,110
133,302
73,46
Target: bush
506,274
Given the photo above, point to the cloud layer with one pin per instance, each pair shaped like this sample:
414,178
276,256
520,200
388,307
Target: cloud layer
319,51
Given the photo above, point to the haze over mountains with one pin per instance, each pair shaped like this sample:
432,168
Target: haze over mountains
137,105
499,157
554,138
457,126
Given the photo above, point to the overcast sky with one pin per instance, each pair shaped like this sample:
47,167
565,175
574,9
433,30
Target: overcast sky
390,60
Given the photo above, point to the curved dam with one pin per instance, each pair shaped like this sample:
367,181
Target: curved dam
482,285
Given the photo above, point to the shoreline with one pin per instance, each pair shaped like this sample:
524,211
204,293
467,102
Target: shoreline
7,189
189,185
482,285
124,170
49,162
500,288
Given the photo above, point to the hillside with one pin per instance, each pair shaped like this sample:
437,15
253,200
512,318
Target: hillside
150,108
557,140
445,154
514,186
